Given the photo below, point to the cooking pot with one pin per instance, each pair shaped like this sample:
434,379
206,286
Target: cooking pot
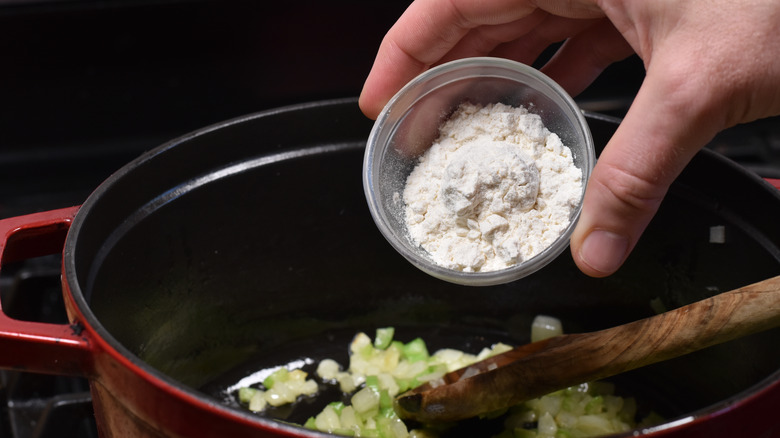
249,244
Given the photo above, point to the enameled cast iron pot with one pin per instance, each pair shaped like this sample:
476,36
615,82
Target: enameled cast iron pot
249,244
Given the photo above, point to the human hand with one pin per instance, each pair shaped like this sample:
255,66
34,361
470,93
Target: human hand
710,64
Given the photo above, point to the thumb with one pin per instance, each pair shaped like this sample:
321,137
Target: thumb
660,134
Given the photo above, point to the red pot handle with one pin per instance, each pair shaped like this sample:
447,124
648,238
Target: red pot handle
774,181
34,346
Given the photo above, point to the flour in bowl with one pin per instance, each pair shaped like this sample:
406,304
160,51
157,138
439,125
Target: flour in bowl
495,189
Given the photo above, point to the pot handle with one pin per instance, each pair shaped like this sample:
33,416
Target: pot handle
774,182
35,346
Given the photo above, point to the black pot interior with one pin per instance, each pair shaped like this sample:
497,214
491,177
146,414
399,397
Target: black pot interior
251,245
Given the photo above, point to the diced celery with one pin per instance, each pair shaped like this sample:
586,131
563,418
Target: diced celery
337,406
245,394
391,428
372,382
387,367
384,337
369,433
595,405
385,401
403,384
279,375
415,350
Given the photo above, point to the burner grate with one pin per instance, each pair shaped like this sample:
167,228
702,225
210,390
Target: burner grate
37,405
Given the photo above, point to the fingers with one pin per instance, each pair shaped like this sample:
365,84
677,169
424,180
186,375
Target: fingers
483,40
423,35
526,48
652,145
583,57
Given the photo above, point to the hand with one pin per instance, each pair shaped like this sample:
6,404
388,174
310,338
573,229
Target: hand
710,64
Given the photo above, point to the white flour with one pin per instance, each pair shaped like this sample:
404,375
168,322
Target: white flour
494,189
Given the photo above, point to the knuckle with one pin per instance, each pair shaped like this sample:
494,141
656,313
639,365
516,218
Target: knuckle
635,195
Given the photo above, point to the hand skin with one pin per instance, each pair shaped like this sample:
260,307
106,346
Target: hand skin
710,64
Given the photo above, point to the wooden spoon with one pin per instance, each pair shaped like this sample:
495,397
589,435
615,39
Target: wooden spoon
536,369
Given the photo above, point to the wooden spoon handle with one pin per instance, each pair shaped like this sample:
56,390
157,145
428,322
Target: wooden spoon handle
569,360
721,318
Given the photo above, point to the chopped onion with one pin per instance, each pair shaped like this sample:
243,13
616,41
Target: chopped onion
544,327
379,371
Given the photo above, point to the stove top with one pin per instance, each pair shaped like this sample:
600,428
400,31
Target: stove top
87,86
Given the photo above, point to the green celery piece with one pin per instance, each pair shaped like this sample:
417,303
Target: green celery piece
311,423
246,394
387,412
337,406
384,427
415,350
384,337
385,401
404,384
372,382
280,375
370,433
367,351
595,405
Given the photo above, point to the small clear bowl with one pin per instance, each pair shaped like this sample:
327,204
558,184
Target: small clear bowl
409,124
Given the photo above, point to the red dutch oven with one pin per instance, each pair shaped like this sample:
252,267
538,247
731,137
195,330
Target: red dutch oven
248,244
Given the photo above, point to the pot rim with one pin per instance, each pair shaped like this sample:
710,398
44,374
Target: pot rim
108,342
119,352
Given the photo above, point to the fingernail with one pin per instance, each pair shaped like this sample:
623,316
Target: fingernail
604,251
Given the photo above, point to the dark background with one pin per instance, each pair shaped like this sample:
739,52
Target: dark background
86,86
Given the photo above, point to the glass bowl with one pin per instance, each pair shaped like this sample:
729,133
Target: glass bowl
410,121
